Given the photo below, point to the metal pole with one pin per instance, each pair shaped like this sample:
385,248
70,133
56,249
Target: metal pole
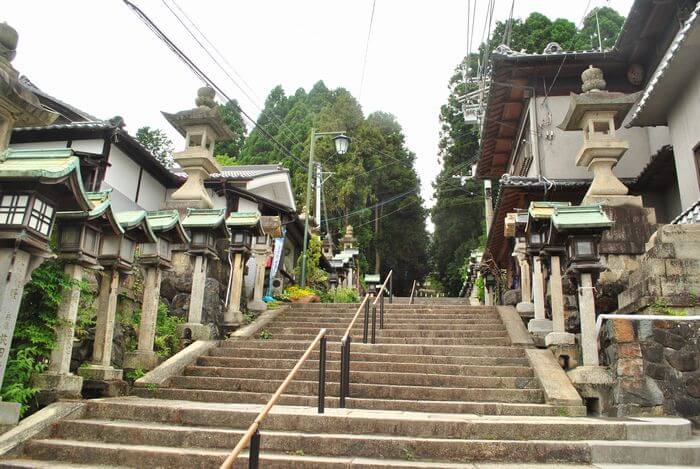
254,451
319,183
366,325
347,368
322,376
381,311
309,178
391,289
341,392
374,322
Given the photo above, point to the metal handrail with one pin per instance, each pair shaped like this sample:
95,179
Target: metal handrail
380,299
382,289
252,435
345,342
413,291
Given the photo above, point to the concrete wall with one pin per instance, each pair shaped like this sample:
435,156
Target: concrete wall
684,125
558,155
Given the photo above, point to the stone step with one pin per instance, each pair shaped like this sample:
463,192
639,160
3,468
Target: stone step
356,356
368,377
287,364
324,444
451,407
402,349
407,340
339,332
495,324
368,390
48,464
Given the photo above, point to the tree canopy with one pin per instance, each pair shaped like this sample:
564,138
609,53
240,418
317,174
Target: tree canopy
157,142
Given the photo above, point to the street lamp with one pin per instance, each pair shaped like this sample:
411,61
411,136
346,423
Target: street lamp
341,147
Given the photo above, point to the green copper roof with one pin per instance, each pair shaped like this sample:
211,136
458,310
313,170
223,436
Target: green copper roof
583,216
544,209
166,220
203,218
243,219
44,164
372,278
101,204
135,220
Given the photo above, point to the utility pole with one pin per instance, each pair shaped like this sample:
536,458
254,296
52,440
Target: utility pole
319,187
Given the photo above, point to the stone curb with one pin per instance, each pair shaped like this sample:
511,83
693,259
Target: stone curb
514,326
174,365
556,385
39,424
263,320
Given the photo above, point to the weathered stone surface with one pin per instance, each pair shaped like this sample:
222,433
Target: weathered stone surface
642,391
668,339
683,361
655,370
623,330
630,367
511,297
652,352
629,350
693,386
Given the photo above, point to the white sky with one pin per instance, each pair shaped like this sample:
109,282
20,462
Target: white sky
99,57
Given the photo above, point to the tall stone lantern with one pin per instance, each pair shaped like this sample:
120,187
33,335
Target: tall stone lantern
201,127
271,227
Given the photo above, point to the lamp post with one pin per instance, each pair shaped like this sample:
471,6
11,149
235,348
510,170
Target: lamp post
341,142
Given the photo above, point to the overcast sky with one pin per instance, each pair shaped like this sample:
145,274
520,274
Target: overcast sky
98,56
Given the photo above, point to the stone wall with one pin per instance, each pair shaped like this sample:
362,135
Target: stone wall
656,367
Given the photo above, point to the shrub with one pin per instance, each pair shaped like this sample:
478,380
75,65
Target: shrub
340,295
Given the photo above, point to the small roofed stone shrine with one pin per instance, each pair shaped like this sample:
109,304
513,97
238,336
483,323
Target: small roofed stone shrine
155,257
270,227
205,227
245,227
79,237
201,126
599,114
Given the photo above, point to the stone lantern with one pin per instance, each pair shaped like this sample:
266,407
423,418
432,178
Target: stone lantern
245,227
117,258
582,228
327,247
599,113
201,127
206,227
372,281
519,220
154,257
536,233
78,239
34,186
271,227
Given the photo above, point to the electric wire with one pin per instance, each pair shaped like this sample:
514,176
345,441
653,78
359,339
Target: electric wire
202,76
364,61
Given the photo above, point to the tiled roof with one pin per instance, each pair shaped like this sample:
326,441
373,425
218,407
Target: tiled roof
691,215
96,125
666,62
249,171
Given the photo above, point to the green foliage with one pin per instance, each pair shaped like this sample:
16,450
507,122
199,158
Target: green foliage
661,306
265,334
151,387
610,22
167,340
340,295
295,292
34,335
231,149
133,375
315,276
480,289
157,142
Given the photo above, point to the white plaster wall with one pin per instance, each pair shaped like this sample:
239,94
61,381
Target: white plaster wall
40,145
684,125
219,201
558,156
152,193
123,173
88,146
245,205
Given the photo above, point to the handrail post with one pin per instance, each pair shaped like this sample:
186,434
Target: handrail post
348,346
322,376
341,392
374,322
254,451
381,312
391,287
366,325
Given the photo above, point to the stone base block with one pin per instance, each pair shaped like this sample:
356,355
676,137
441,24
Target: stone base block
93,389
594,375
559,338
525,308
100,373
568,355
9,413
258,306
594,384
65,385
144,360
193,331
540,326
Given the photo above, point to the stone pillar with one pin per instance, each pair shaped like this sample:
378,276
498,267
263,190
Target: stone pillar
14,266
488,296
193,329
100,368
586,304
144,357
58,378
233,316
349,278
558,336
525,307
257,304
539,325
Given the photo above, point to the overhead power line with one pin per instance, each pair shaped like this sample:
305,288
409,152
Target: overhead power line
203,77
364,61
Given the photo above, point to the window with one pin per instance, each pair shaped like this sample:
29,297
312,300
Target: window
13,208
41,217
195,140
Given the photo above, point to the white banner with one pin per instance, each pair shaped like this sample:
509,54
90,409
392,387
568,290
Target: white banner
276,256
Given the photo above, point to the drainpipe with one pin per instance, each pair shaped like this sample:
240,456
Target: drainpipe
534,135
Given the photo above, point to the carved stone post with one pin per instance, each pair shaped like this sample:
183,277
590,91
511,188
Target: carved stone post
540,325
261,251
558,336
233,315
144,357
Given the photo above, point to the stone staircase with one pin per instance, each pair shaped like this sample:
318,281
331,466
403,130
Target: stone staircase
442,387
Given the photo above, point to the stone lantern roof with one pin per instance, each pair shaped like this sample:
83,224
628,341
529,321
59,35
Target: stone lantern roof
243,219
580,217
167,222
542,210
101,210
206,113
136,227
